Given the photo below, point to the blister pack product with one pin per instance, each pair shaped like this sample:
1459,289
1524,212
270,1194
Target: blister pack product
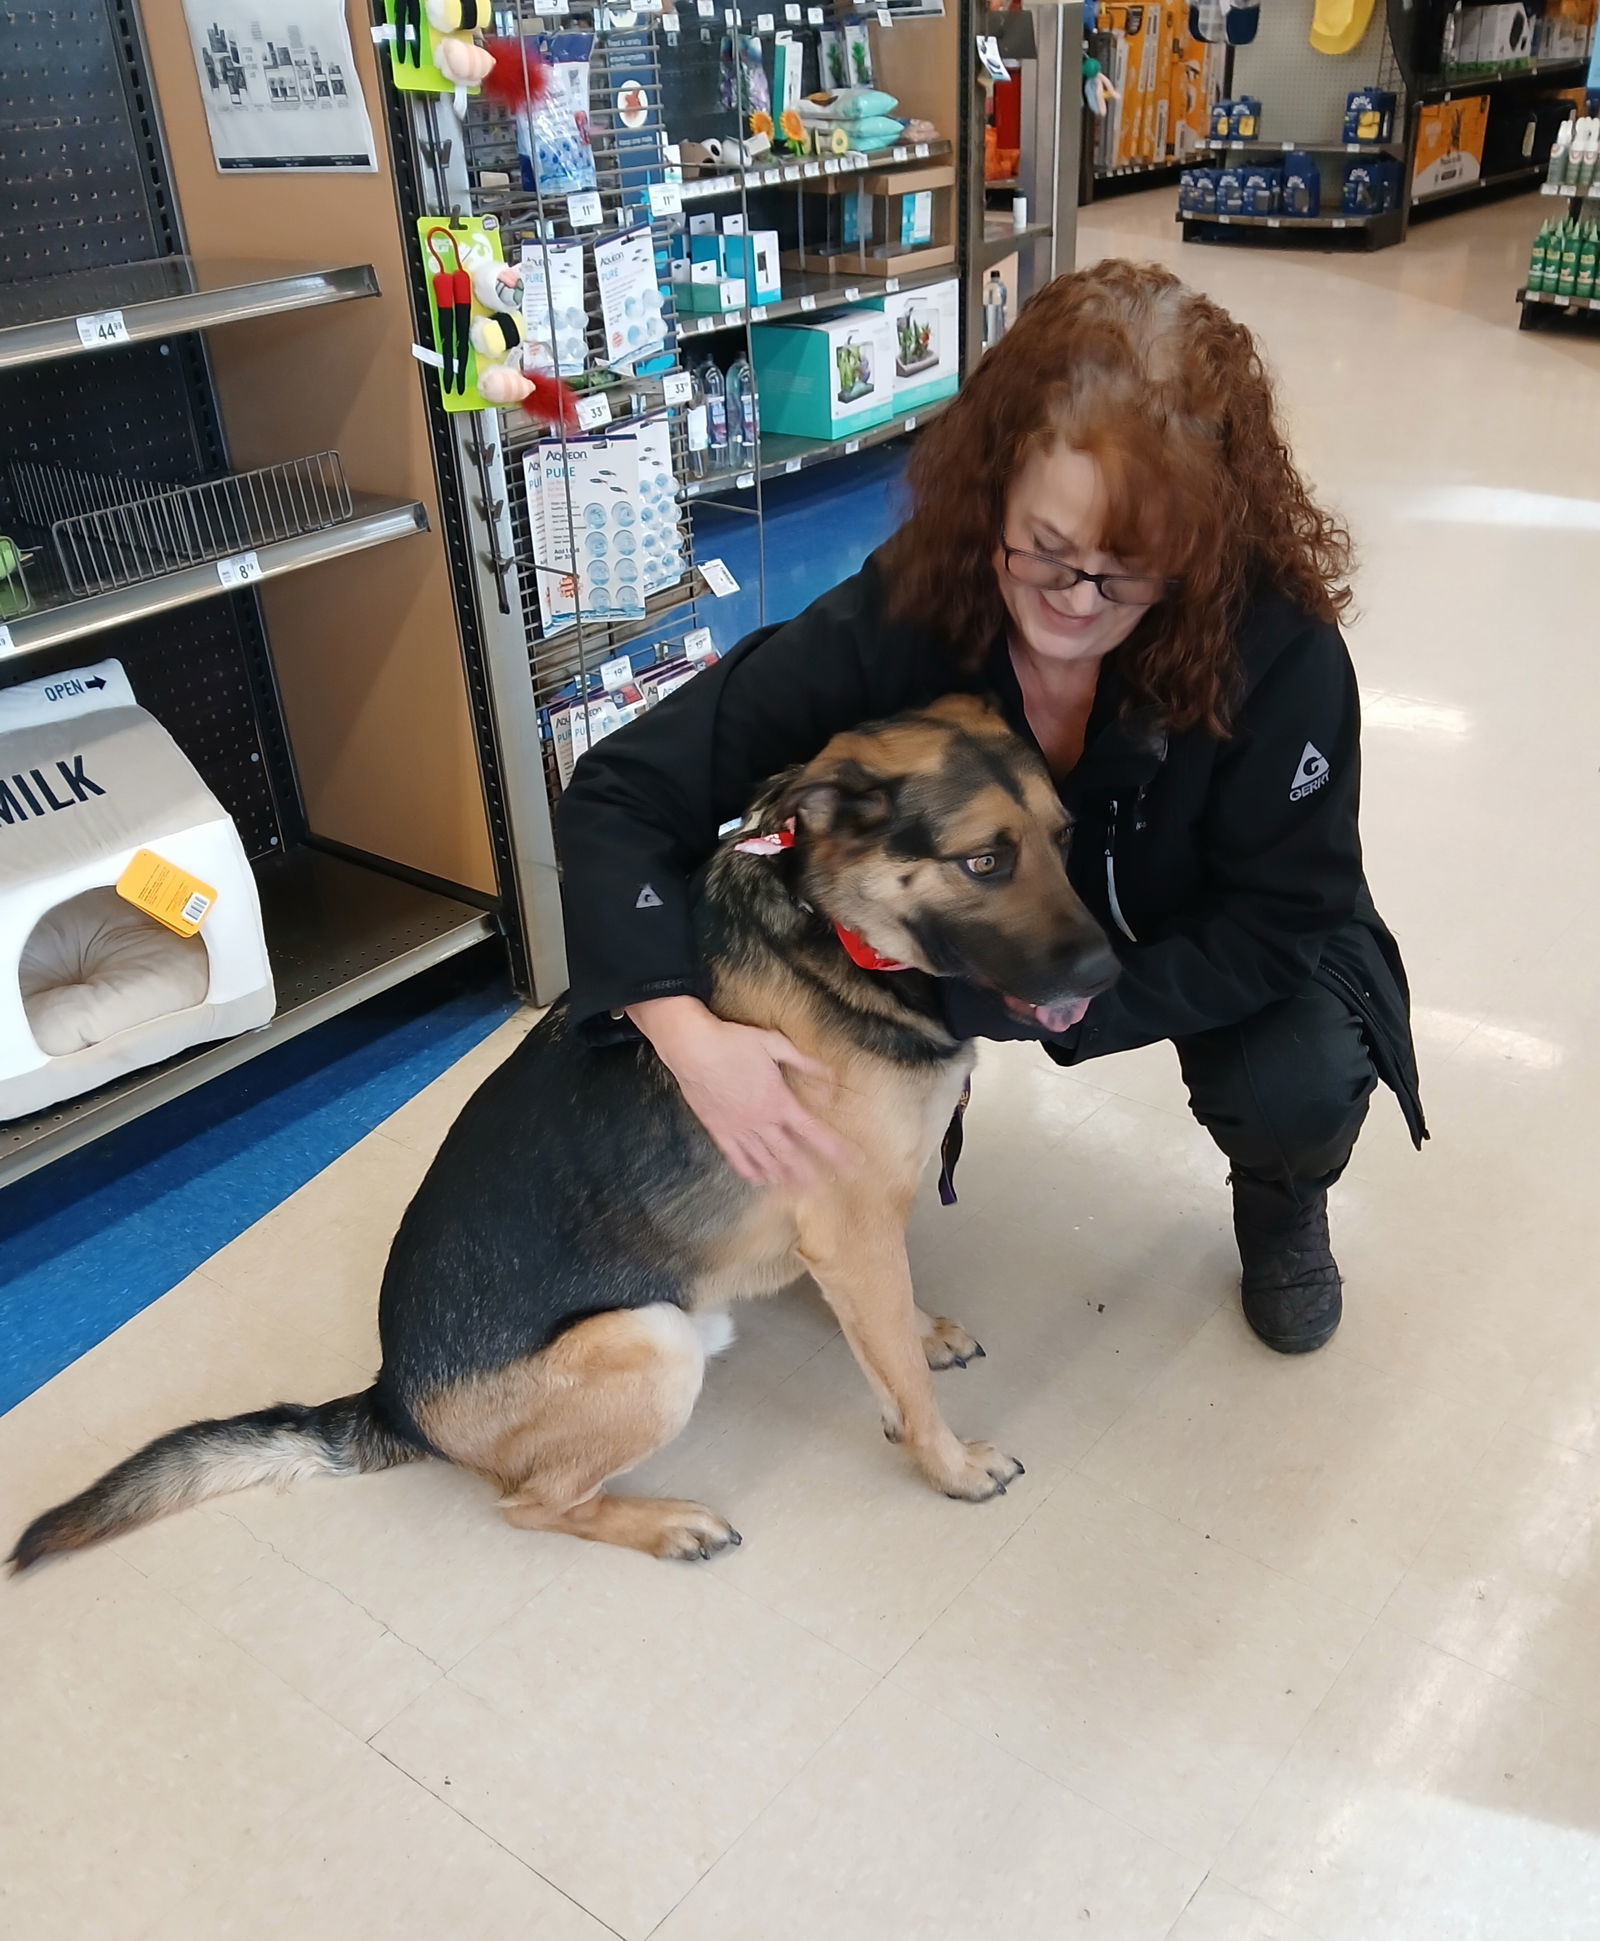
743,85
660,552
553,144
630,298
554,322
1302,185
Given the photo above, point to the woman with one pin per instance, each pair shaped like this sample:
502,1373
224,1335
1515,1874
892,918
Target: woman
1108,533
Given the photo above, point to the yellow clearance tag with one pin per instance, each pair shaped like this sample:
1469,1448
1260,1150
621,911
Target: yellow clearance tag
163,891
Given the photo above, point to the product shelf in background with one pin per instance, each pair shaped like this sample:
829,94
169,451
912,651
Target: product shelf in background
1292,222
1480,185
1393,149
87,311
1001,239
1441,87
54,616
811,290
1571,195
1556,302
782,456
776,175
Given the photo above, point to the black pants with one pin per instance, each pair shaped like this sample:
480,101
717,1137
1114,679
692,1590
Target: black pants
1284,1093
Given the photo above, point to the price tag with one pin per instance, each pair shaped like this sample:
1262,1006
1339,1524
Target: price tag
616,673
989,57
666,198
831,166
745,481
718,578
1274,223
911,422
851,445
765,24
707,9
583,211
791,465
808,303
813,168
240,570
594,411
899,154
885,18
793,173
1339,222
7,644
697,644
850,295
815,16
890,285
105,327
793,13
677,387
920,151
669,23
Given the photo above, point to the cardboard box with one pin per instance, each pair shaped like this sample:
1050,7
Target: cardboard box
825,379
1450,144
926,327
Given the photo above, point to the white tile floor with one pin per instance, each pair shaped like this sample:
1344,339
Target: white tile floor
1259,1650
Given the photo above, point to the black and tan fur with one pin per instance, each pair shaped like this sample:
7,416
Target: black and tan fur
560,1276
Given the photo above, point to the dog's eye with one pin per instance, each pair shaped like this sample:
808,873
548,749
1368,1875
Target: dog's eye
984,865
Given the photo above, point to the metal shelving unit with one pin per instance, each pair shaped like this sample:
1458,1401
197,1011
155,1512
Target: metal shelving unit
90,310
811,290
142,432
781,456
55,617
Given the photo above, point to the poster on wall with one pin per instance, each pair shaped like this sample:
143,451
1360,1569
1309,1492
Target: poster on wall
279,84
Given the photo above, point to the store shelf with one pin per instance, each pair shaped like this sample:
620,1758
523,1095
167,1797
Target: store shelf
783,456
809,290
1481,185
780,174
1571,195
1006,182
40,319
1289,222
56,617
1558,303
1126,170
1393,149
338,932
1000,240
1440,87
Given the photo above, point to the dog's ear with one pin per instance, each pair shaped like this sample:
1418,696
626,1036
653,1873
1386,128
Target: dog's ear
842,798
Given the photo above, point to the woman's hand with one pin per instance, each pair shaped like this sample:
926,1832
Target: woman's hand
732,1080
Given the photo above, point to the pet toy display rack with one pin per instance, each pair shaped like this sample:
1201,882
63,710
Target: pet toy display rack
465,165
101,373
1302,94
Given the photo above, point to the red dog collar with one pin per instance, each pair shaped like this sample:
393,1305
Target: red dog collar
858,950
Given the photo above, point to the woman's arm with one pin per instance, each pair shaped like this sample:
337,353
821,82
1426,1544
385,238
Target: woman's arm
1284,863
642,811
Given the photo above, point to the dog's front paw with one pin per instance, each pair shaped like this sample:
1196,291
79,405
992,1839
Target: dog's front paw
691,1531
983,1472
947,1344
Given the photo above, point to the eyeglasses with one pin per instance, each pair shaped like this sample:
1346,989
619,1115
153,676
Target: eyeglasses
1056,576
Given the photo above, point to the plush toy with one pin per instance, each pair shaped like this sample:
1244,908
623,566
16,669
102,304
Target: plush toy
462,56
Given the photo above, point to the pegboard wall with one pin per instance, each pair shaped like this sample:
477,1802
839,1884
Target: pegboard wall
85,189
1302,93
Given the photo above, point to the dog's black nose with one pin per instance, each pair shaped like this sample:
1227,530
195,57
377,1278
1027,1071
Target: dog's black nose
1094,969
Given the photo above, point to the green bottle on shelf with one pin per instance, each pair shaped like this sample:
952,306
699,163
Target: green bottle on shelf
1567,277
1538,259
1588,259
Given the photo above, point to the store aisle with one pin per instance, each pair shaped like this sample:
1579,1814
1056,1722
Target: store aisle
1259,1650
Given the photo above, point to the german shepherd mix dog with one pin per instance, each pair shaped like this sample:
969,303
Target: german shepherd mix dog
559,1278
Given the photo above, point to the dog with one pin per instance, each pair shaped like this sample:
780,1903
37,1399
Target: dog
562,1273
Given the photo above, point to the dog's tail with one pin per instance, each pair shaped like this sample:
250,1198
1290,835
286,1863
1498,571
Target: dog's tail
348,1437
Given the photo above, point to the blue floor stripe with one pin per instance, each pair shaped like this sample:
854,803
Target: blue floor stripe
92,1240
87,1243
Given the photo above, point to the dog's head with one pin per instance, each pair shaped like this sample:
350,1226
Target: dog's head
938,838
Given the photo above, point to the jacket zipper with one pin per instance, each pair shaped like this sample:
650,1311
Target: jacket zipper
1111,875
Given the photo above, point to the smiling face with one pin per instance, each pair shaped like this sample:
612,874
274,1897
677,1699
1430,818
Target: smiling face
1057,506
938,838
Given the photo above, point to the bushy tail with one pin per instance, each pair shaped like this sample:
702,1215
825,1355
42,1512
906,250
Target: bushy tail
277,1445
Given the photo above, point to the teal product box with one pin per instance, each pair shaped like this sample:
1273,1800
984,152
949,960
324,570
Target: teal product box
926,327
916,219
827,379
753,260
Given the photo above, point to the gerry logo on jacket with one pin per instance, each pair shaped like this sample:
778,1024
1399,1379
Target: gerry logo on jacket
1310,775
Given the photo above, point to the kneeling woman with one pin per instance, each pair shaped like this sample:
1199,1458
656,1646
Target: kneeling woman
1108,533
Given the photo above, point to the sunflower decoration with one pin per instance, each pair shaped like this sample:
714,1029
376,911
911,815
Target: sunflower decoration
793,130
761,123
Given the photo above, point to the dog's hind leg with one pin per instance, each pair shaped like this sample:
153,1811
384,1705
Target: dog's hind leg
552,1430
857,1255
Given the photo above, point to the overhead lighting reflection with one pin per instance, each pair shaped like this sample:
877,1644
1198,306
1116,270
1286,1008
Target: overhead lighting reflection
1410,714
1483,1038
1496,505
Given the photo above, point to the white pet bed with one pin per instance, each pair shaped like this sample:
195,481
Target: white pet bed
90,987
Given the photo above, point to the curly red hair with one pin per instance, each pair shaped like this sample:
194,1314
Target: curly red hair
1169,395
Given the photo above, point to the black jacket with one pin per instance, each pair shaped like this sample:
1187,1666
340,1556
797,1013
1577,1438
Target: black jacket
1228,873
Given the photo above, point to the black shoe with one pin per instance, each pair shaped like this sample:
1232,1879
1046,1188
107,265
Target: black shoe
1289,1284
